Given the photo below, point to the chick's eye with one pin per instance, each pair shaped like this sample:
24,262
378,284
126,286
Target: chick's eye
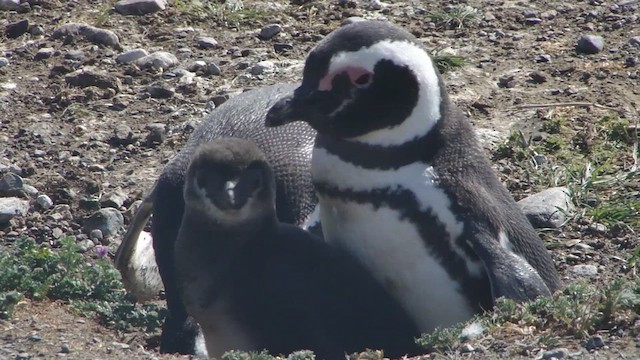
252,179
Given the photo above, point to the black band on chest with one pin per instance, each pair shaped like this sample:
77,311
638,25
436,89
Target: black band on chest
381,157
431,229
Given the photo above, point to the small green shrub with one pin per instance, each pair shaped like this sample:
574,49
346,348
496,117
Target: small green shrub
92,287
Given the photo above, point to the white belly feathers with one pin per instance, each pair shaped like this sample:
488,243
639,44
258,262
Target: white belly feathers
390,246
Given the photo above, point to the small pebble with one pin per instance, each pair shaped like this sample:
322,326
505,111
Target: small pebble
16,29
4,62
280,47
160,91
467,348
74,55
538,77
44,201
57,233
9,4
36,30
213,69
109,220
270,31
376,5
263,67
543,58
131,56
540,159
595,342
207,42
160,59
582,270
64,348
96,234
44,53
590,44
89,33
507,81
118,345
560,353
10,183
139,7
197,65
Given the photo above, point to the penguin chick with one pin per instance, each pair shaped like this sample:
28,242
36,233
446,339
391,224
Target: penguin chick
254,283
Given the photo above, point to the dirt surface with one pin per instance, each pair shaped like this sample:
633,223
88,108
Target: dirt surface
65,131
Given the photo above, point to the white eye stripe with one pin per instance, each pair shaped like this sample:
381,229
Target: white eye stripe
403,53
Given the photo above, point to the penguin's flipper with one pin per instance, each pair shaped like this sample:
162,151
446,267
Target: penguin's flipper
135,257
511,276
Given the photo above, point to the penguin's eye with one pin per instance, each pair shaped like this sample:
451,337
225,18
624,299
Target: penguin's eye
362,80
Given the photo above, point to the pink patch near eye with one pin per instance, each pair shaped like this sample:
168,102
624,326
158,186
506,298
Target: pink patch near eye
357,75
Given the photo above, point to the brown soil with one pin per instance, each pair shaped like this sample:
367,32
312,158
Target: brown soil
42,116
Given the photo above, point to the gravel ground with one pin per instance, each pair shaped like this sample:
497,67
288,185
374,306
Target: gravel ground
89,124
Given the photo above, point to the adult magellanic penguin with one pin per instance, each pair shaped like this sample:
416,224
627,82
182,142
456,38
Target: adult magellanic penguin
254,283
404,184
288,150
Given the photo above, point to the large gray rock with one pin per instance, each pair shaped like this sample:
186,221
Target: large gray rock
10,183
107,220
270,31
90,33
159,59
131,56
11,207
140,7
584,270
548,208
9,4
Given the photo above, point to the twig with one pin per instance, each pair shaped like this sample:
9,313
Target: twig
562,104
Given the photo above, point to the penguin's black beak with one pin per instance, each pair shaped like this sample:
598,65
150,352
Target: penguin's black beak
305,104
284,111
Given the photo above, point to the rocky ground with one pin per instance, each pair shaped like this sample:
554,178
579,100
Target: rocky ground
94,102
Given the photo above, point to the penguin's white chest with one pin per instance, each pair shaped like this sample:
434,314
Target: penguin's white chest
390,245
393,250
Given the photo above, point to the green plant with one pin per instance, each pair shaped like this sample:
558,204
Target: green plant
8,301
446,62
554,125
92,287
441,339
455,17
241,355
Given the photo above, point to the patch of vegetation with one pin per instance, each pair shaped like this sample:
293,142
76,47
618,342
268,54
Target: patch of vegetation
579,311
104,12
298,355
594,159
554,125
263,355
446,62
8,301
232,11
92,287
441,340
617,211
455,17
